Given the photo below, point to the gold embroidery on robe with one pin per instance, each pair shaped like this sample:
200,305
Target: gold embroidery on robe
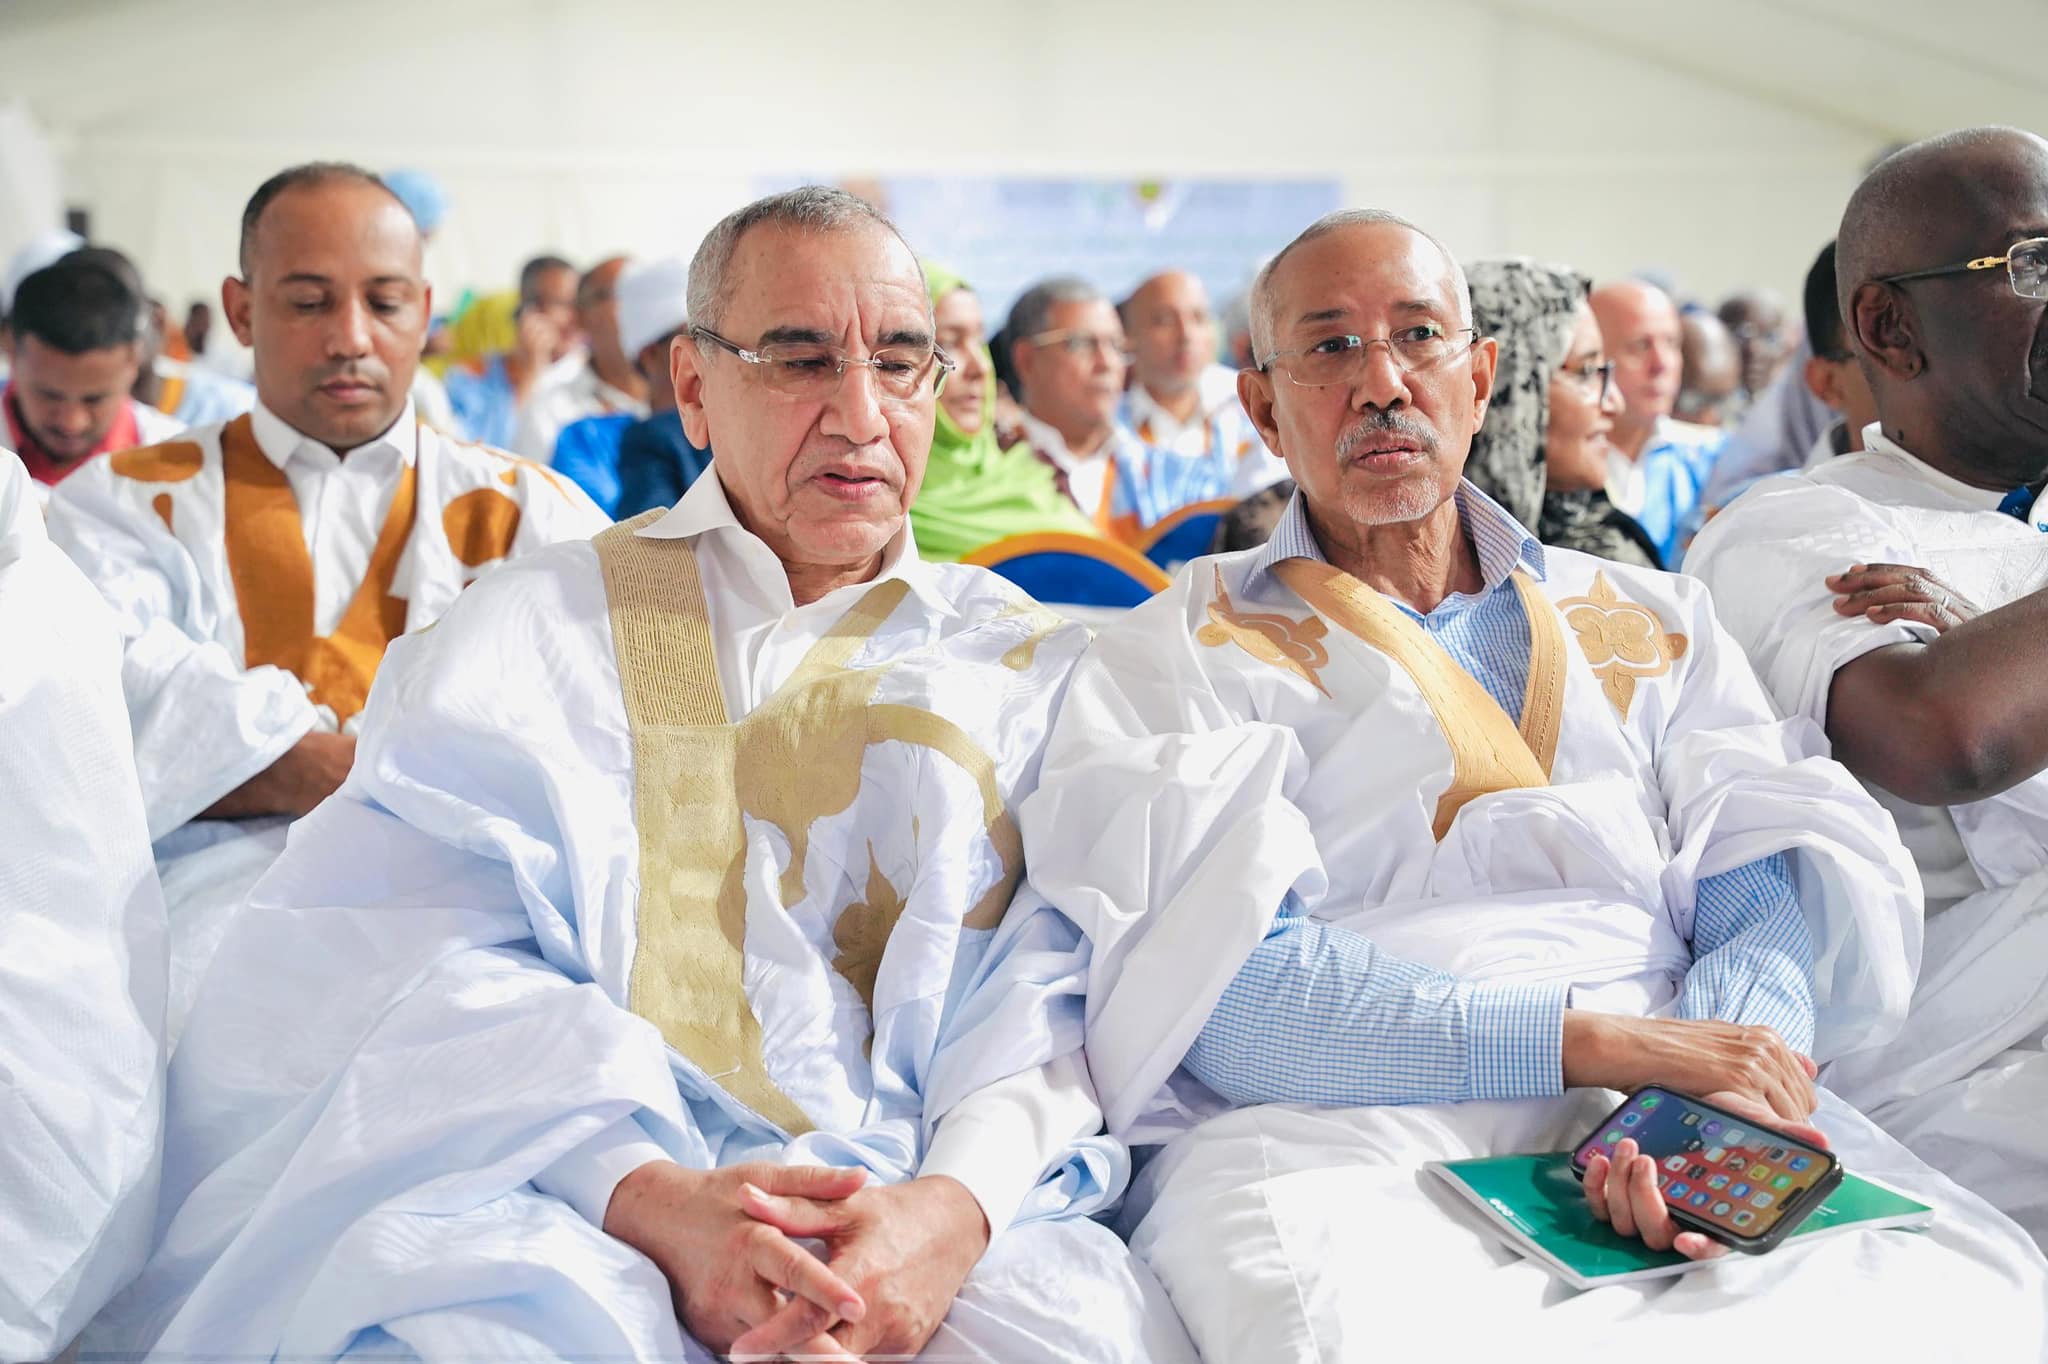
161,503
698,781
1489,751
480,525
1625,642
173,462
272,572
1043,623
1292,646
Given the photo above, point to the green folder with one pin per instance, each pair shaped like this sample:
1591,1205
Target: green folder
1536,1204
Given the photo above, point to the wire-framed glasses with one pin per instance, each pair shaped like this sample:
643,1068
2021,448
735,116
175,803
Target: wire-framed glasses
1341,359
807,369
2025,262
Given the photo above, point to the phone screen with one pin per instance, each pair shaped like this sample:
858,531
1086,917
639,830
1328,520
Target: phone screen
1711,1165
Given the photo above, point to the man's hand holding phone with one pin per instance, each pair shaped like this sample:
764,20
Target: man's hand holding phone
1698,1056
1623,1191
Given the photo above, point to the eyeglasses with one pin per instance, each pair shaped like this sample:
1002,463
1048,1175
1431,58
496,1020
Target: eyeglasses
1597,379
806,369
1341,359
1080,343
2026,266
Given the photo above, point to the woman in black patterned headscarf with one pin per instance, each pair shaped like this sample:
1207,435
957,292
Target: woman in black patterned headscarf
1542,452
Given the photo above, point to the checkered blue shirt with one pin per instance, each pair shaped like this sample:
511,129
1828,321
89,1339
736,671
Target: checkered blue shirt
1319,1015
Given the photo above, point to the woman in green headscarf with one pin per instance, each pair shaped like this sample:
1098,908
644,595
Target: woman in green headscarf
975,492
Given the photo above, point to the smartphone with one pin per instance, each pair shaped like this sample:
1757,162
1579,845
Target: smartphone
1734,1179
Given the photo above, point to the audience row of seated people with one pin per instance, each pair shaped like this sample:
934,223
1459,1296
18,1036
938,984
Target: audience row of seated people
451,926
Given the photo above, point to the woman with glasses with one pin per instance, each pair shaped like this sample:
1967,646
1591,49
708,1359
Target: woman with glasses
1542,452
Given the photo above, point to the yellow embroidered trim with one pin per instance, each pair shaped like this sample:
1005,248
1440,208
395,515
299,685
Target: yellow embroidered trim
1626,643
1292,646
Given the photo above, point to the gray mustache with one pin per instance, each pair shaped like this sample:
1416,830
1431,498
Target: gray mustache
1385,424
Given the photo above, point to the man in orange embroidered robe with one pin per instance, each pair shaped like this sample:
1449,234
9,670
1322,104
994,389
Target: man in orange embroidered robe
259,567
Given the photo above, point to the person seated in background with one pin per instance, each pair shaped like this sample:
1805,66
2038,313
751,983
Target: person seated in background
487,391
1755,318
189,394
975,492
1658,464
259,567
655,462
597,379
1832,373
1067,345
1542,451
1179,398
1899,597
82,981
74,347
1405,838
675,871
1709,371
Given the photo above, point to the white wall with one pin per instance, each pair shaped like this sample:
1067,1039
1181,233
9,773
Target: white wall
1583,132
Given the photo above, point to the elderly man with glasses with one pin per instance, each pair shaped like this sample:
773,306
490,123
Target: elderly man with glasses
1405,837
1068,351
1899,597
648,989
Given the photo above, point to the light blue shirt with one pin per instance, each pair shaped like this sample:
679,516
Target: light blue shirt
1318,1014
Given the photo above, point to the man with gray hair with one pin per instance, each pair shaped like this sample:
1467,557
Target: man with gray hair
668,1004
1067,347
1405,838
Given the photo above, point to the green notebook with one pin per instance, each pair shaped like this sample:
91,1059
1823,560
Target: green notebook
1538,1206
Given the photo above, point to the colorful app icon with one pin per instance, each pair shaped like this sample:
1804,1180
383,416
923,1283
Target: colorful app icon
1696,1171
1799,1162
1718,1182
1775,1153
1739,1191
1720,1210
1716,1154
1762,1200
1693,1143
1678,1189
1612,1137
1733,1136
1674,1163
1711,1126
1700,1199
1631,1119
1650,1101
1743,1217
1782,1182
1736,1160
1690,1120
1759,1173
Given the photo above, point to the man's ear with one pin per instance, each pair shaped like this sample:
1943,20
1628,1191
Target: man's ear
686,373
1023,361
236,303
1485,366
1886,329
1255,391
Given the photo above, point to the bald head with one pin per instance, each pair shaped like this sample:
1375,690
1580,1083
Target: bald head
1172,333
1372,227
1957,360
1639,324
1710,369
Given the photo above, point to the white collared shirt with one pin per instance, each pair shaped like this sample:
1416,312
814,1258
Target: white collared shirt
568,392
1087,475
342,500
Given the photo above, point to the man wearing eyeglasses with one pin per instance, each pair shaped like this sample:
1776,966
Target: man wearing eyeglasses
1899,597
1067,346
647,991
1405,837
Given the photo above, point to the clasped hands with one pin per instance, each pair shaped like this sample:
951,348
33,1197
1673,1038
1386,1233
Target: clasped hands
730,1244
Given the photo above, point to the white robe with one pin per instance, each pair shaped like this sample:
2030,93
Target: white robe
189,587
428,1026
82,969
1966,1083
1218,751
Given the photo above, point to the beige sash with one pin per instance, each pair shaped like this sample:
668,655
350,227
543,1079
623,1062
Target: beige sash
792,761
1489,752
